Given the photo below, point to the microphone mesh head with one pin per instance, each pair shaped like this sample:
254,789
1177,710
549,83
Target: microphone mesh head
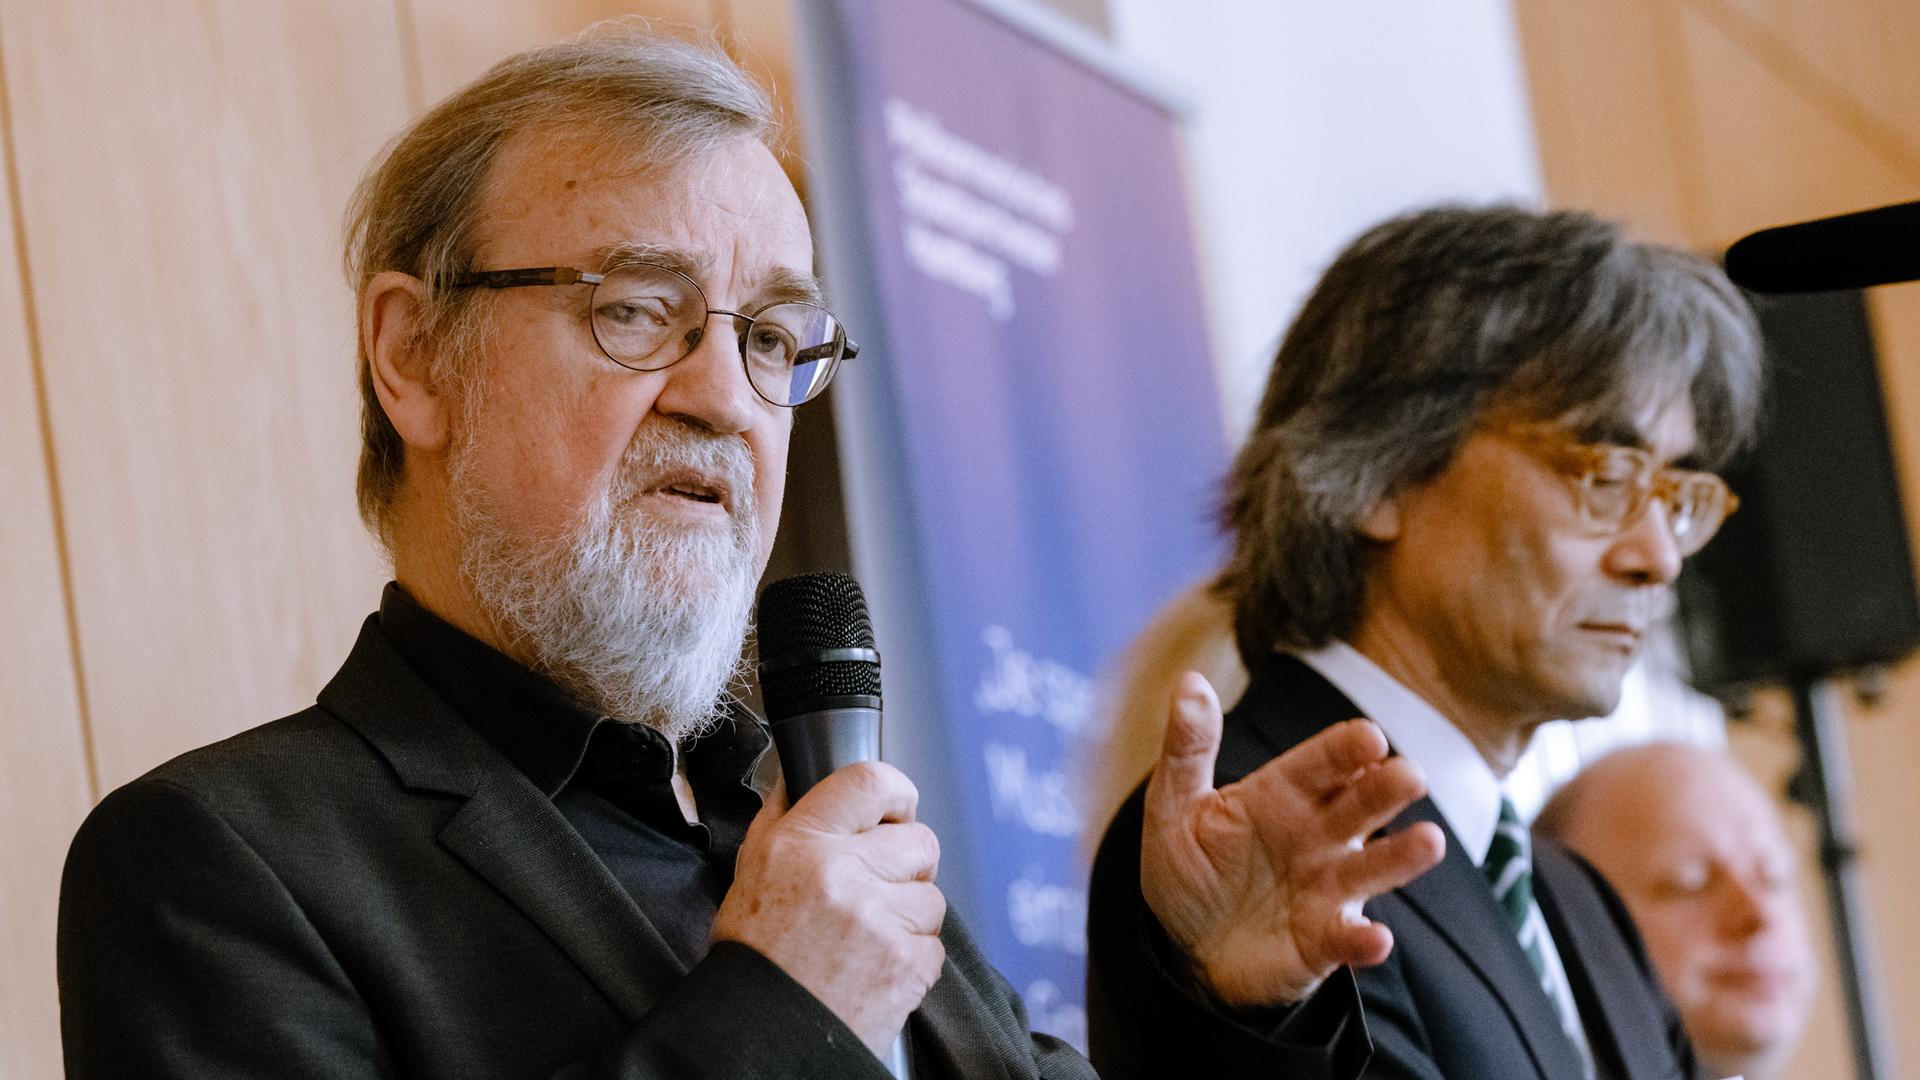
811,613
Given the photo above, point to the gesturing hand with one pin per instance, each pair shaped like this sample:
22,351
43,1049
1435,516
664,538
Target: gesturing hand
1259,883
838,891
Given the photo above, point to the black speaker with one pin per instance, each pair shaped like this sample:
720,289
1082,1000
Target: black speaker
1812,576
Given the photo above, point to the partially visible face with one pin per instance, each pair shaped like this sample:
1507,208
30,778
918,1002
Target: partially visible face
1697,851
613,522
1495,601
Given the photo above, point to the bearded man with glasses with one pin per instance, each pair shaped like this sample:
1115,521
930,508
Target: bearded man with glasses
1483,452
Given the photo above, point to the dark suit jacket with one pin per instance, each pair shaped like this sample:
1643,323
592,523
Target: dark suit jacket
1457,998
368,889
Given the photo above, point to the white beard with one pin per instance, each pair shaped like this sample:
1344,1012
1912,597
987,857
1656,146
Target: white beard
641,619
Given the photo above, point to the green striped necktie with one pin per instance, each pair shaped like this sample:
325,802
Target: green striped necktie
1509,869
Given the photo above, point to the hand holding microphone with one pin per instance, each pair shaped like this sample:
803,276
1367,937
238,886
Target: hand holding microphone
837,888
838,891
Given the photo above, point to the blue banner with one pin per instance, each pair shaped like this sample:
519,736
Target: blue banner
1025,247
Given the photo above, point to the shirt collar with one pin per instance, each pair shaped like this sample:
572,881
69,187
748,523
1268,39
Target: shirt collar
1459,781
542,729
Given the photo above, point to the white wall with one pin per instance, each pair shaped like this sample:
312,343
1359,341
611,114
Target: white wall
1313,120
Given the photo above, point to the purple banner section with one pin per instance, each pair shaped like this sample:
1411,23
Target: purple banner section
1045,350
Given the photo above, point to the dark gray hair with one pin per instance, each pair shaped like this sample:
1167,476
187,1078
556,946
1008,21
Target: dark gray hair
1431,324
638,97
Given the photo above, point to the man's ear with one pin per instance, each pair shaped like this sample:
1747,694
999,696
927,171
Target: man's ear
1382,523
392,307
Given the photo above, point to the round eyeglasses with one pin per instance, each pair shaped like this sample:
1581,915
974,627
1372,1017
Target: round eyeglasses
1614,485
648,317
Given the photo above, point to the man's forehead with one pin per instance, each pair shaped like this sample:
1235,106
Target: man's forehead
781,282
730,209
1690,790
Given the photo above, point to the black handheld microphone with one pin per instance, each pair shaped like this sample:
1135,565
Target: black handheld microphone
1850,251
820,683
819,676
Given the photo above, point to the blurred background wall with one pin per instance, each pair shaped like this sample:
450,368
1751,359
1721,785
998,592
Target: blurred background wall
179,553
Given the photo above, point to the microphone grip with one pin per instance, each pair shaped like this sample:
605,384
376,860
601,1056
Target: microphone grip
814,744
811,746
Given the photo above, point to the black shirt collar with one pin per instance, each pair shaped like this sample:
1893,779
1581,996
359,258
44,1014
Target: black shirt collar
546,733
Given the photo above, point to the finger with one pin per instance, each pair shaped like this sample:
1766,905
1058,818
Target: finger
1324,764
1189,749
856,798
1388,862
1376,795
920,906
900,851
1362,943
1336,931
930,953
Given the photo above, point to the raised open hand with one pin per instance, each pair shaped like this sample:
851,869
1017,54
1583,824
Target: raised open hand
1259,883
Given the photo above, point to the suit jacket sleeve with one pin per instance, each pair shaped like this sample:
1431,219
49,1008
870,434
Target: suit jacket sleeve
1401,1043
182,954
1146,1020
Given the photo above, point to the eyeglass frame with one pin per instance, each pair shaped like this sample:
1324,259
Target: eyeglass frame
530,276
1581,462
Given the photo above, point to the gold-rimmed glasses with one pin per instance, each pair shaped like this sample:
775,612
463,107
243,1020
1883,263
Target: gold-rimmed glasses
1614,485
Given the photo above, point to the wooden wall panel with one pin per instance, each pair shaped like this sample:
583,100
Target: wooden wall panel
1784,110
455,47
44,789
1859,57
760,33
182,169
1583,134
1771,149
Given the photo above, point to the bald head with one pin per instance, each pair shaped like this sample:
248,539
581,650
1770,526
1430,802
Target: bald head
1697,851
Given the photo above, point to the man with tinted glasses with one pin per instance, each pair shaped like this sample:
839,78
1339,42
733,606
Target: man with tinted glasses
527,831
1481,457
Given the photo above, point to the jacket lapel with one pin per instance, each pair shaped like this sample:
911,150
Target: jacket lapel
508,832
1457,903
1285,704
1602,969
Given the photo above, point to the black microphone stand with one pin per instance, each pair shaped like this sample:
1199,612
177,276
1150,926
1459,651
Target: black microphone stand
1823,783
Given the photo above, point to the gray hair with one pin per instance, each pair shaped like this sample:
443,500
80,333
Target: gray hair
626,92
1431,324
